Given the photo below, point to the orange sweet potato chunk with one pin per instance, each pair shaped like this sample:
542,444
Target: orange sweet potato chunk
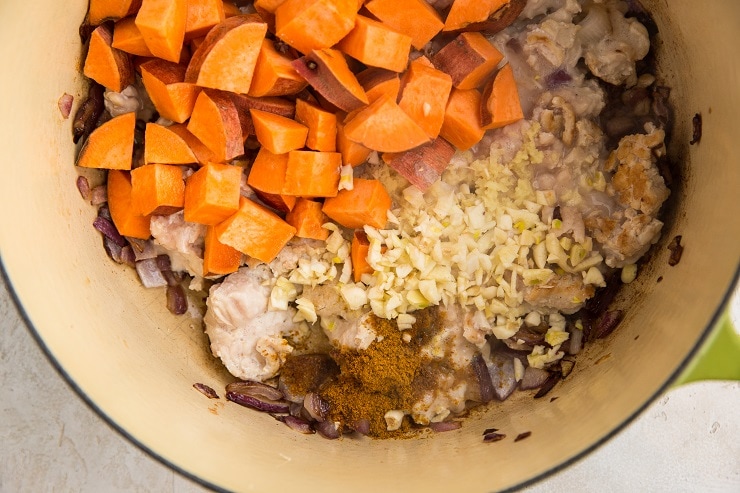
163,146
106,65
165,84
376,45
327,71
469,59
162,24
157,189
415,18
267,178
308,25
277,133
461,126
111,145
353,154
126,220
465,12
202,16
274,74
367,204
385,127
379,82
424,94
255,231
128,38
212,193
358,253
312,174
102,10
308,219
500,104
219,259
227,57
322,126
215,122
203,154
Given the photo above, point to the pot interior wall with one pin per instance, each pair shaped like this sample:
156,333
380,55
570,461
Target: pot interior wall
137,363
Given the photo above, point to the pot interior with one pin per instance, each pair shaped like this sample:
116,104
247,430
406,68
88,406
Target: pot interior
136,363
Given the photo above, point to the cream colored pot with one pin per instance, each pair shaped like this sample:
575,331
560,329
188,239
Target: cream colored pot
135,363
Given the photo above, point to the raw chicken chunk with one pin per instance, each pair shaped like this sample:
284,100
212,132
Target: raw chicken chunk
250,339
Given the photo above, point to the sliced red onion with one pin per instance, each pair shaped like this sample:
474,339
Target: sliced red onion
443,426
127,256
113,249
177,301
84,187
296,409
164,263
576,341
607,323
206,390
490,430
493,437
259,404
522,436
328,430
297,424
548,384
99,195
149,273
317,407
501,371
65,105
362,426
557,78
484,378
533,378
255,389
104,212
109,230
143,249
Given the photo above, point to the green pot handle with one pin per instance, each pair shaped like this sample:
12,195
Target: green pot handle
719,356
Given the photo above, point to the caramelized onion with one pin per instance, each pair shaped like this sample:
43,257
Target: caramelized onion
258,403
485,384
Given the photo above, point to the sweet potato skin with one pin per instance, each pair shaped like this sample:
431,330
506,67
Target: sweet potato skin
327,72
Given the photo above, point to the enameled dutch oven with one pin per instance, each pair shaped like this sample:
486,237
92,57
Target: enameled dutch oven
135,363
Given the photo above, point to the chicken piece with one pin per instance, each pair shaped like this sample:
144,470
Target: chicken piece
636,181
566,293
612,43
183,241
251,341
624,237
449,342
448,397
551,45
287,259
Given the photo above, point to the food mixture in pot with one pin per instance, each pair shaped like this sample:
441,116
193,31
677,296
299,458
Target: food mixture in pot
430,255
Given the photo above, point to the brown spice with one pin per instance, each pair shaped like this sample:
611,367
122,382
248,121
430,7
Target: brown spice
388,375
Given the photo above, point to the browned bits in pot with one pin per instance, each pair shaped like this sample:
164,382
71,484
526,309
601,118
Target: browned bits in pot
522,436
696,122
676,251
205,390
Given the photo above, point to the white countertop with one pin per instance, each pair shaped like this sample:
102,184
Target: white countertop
687,441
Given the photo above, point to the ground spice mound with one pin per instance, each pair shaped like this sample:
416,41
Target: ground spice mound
388,375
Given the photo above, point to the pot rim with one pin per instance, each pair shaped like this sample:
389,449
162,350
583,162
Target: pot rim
711,327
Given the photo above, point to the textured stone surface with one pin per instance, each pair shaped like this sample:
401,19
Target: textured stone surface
51,441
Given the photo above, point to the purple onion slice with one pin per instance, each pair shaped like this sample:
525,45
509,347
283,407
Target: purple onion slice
493,437
607,323
149,273
548,384
206,390
259,404
177,301
298,424
255,389
99,195
485,383
84,187
317,407
533,378
109,230
328,430
503,379
362,426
